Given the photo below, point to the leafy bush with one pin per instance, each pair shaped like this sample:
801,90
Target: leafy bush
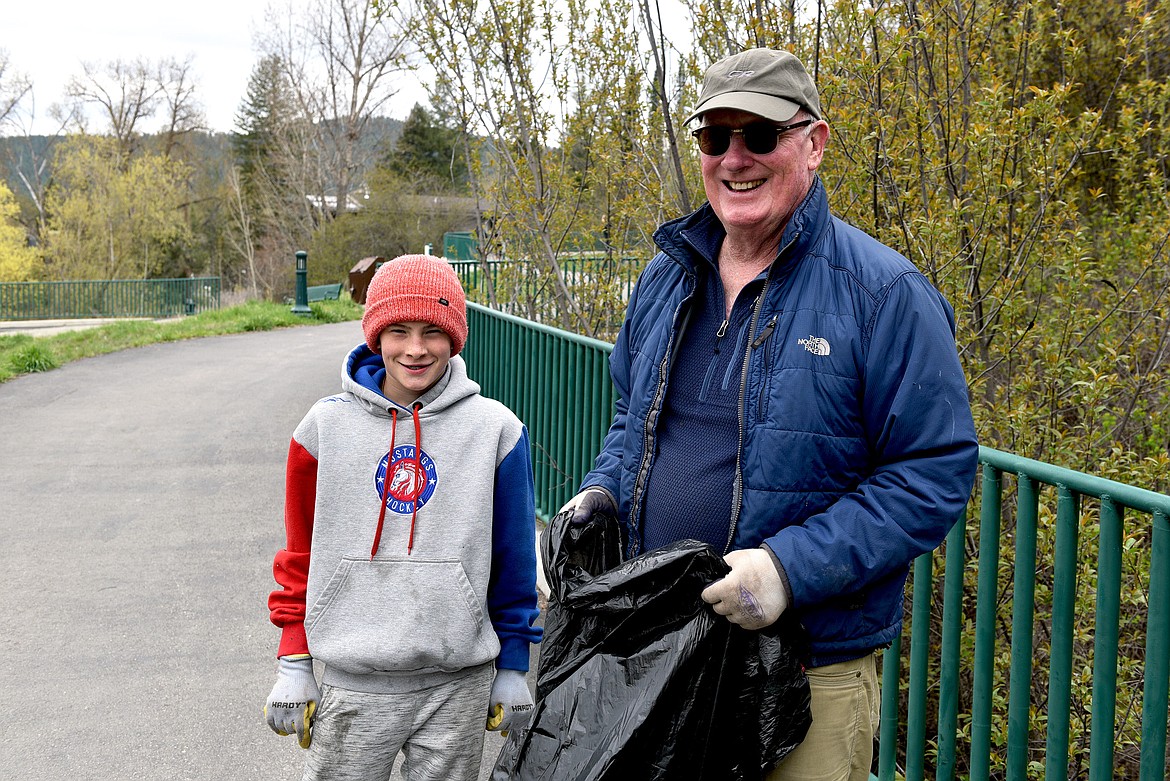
32,358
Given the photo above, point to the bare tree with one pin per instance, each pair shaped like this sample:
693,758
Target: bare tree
340,58
240,236
28,160
184,114
567,146
650,13
13,88
125,93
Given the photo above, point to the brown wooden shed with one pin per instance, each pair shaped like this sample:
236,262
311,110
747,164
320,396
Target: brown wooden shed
360,276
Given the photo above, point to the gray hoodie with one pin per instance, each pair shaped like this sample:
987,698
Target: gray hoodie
443,579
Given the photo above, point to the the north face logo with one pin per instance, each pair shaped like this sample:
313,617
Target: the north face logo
815,345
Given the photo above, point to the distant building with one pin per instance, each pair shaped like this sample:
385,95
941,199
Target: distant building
329,203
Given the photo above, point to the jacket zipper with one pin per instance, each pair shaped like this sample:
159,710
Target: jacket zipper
760,342
737,488
768,329
719,334
635,543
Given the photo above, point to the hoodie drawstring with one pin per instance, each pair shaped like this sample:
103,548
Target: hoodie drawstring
419,480
385,485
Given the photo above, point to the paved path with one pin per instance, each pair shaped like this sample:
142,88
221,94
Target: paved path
52,327
140,506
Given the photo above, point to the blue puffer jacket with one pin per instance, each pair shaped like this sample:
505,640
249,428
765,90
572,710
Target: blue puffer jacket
857,450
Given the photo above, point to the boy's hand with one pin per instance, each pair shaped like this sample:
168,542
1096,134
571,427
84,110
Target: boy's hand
752,594
510,705
593,499
294,698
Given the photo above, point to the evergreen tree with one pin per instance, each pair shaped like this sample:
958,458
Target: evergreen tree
268,107
428,153
271,215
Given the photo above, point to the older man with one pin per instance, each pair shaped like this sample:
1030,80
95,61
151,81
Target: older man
791,394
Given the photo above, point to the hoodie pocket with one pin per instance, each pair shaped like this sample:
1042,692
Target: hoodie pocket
400,616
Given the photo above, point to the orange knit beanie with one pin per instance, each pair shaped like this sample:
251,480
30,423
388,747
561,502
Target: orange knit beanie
416,288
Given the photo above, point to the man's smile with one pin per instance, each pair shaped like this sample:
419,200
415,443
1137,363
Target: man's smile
744,186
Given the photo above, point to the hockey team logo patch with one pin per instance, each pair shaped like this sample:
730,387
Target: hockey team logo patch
407,481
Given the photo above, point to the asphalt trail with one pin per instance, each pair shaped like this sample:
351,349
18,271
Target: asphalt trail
141,498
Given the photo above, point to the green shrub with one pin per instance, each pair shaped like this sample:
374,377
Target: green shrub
33,358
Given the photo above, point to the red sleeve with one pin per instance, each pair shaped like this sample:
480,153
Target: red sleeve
291,566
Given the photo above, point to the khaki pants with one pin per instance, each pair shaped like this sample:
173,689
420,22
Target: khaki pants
845,708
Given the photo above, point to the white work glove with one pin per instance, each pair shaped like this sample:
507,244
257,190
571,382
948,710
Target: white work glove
593,499
294,698
510,705
752,594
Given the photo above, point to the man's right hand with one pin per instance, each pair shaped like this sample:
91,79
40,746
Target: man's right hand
592,500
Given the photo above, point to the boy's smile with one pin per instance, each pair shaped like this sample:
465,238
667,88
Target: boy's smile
416,355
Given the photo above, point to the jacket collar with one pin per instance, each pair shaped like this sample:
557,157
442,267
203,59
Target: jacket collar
700,234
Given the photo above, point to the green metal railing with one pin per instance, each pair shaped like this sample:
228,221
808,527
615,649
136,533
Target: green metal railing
522,288
995,696
108,298
1038,721
531,368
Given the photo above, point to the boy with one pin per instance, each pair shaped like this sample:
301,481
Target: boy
410,563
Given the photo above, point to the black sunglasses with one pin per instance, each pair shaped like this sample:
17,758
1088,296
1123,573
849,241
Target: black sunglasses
760,138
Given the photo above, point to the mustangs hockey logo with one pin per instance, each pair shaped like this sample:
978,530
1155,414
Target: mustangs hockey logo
407,482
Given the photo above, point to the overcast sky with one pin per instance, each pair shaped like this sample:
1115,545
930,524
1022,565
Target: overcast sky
47,40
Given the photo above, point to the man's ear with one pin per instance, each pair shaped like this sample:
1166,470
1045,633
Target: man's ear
819,136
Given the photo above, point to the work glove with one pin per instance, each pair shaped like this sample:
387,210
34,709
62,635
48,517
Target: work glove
510,705
752,594
294,698
592,500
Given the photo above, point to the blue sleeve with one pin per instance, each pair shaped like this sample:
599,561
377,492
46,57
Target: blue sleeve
917,413
607,468
512,588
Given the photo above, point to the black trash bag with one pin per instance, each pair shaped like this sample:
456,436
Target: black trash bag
639,679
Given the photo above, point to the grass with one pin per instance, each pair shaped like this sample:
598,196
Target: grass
23,354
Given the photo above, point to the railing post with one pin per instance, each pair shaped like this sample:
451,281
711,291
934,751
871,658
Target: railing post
1064,580
988,588
949,675
1023,611
1156,687
301,307
1105,640
923,575
888,725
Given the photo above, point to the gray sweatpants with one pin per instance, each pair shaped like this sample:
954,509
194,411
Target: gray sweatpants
357,735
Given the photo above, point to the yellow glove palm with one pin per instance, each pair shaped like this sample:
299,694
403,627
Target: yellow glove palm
510,704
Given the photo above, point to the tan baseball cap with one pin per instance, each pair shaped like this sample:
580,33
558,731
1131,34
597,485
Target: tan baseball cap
772,84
